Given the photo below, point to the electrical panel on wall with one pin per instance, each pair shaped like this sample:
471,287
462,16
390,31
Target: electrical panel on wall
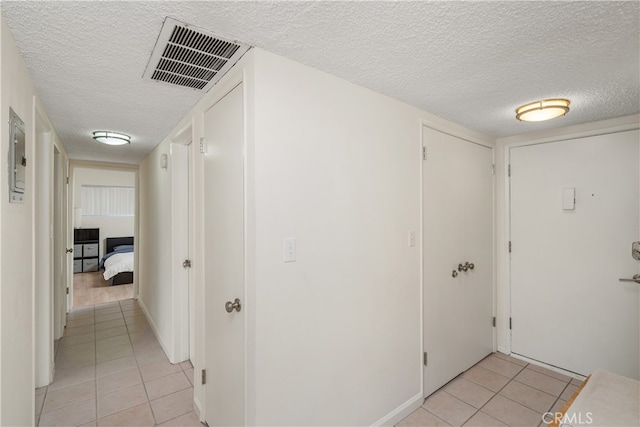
17,159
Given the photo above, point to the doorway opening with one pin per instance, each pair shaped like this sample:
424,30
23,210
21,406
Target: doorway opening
104,222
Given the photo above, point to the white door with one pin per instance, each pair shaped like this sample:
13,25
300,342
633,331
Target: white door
457,229
224,258
568,307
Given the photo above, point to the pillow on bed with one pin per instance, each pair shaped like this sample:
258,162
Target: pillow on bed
122,248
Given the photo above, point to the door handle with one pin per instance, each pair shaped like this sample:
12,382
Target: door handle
466,266
230,306
69,250
635,279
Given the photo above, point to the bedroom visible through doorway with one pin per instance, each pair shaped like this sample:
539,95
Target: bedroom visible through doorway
103,209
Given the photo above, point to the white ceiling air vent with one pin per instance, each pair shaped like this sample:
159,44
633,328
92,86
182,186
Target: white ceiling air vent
191,57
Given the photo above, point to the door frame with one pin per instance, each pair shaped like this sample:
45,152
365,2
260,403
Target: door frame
503,235
465,136
43,301
181,165
60,227
71,196
224,87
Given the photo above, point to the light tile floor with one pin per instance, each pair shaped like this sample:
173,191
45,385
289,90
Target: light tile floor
91,289
111,371
498,391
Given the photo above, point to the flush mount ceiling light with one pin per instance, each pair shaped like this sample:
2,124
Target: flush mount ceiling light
111,138
546,109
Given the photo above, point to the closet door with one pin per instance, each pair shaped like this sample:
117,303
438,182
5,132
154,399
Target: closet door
457,229
477,283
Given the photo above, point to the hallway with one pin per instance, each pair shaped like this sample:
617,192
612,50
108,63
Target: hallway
111,371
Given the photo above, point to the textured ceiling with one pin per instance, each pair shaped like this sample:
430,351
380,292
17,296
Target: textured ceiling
470,62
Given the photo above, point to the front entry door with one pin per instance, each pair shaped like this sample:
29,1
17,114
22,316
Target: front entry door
457,229
569,308
224,258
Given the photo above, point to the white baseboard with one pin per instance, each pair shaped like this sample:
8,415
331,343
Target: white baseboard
154,328
197,408
549,367
401,412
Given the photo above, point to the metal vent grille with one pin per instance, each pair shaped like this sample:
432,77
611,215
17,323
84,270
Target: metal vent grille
191,57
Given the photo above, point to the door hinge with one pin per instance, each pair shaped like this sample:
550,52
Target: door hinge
203,146
186,263
204,376
494,321
509,246
509,171
510,323
424,358
424,153
67,291
67,180
493,169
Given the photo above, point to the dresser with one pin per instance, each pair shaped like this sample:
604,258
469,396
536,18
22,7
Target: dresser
86,249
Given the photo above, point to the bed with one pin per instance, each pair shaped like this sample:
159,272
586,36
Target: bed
118,260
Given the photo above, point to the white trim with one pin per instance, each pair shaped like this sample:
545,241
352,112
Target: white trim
421,186
227,84
197,408
72,165
549,367
619,124
179,170
401,412
605,127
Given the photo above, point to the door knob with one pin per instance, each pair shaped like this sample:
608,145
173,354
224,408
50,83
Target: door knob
469,265
230,306
69,250
463,267
454,273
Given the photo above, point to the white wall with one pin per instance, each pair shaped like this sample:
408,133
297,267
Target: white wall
155,268
17,248
334,338
338,168
110,226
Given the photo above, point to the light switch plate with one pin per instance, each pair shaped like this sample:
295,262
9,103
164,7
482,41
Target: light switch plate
569,199
289,247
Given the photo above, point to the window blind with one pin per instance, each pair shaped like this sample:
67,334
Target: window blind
98,200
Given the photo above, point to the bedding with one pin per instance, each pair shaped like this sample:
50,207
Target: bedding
116,250
117,262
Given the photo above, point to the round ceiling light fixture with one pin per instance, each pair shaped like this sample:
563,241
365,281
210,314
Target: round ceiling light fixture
539,111
111,138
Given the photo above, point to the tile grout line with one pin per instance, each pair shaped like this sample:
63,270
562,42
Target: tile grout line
497,392
494,393
136,358
144,386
